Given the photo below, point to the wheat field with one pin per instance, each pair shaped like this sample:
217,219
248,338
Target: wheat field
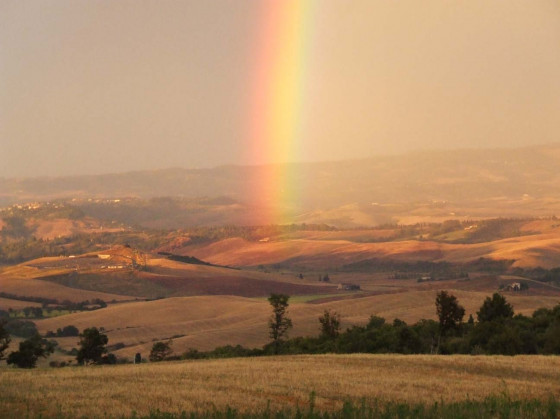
205,322
331,251
251,383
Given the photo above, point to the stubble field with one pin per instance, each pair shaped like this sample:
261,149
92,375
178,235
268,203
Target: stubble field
250,384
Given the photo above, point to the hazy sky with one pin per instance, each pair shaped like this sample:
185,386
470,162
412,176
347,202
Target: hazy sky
109,86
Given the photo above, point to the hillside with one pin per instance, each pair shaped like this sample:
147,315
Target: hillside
533,243
254,262
408,188
123,273
206,322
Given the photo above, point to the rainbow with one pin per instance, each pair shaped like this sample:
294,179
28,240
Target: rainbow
275,120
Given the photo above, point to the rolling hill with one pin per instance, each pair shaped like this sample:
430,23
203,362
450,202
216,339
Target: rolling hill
408,188
335,250
205,322
108,275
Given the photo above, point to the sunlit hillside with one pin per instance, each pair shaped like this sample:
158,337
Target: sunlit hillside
207,322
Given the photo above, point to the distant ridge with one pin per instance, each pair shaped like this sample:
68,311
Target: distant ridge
463,177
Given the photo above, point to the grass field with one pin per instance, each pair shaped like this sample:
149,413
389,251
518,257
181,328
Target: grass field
250,384
205,322
331,250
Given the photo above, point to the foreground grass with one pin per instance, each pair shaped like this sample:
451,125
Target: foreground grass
491,407
340,385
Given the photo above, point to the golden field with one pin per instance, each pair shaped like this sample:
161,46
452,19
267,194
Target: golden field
206,322
330,251
250,383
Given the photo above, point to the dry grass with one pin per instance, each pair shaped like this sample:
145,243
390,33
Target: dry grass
46,289
206,322
250,383
327,250
6,303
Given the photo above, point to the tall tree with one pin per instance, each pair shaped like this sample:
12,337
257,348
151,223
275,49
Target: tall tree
330,324
92,346
495,308
160,351
279,322
4,339
449,312
29,352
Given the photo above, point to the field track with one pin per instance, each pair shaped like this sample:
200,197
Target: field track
250,383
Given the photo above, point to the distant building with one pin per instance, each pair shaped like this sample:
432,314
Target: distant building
349,287
515,286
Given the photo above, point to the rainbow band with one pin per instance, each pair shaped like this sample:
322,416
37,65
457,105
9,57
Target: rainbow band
276,117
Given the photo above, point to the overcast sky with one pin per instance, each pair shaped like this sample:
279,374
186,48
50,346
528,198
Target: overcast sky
111,86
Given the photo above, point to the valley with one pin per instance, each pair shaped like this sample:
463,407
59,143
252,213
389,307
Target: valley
198,270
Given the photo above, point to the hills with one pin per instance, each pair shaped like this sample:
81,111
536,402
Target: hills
207,322
409,188
215,294
375,236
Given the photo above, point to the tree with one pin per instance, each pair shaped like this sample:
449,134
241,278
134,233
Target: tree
29,352
92,346
160,351
449,312
4,339
21,328
279,323
495,308
109,359
67,331
330,324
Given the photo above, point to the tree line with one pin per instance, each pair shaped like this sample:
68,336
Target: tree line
496,330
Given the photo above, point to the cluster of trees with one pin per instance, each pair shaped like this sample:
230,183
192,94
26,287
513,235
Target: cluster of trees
66,331
161,351
31,299
92,347
496,330
50,304
28,248
15,227
45,211
494,229
34,312
20,328
30,350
